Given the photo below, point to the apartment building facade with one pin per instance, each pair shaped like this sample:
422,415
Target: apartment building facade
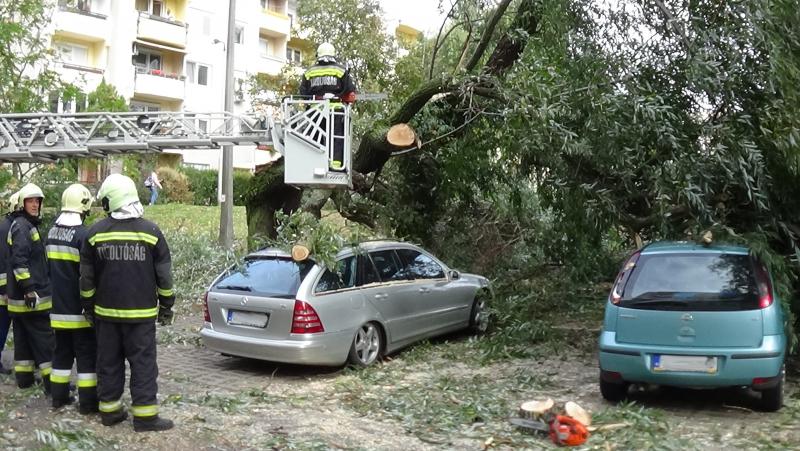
169,55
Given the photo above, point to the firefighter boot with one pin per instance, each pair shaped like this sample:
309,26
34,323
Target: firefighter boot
154,423
61,402
112,418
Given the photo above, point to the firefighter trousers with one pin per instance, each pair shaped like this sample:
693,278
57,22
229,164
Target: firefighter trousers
75,345
33,348
135,342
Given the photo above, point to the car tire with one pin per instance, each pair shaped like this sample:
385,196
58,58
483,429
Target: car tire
367,345
772,398
613,392
479,314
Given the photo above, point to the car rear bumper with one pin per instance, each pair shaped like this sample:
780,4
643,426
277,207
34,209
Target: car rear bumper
328,349
735,366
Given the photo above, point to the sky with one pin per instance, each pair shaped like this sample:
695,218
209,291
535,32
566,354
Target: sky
423,15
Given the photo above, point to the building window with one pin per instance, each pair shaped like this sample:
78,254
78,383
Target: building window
80,5
274,5
144,107
73,53
202,125
264,47
154,7
57,104
293,55
147,60
238,35
197,73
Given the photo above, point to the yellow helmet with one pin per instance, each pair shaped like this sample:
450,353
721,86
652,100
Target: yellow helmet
29,191
76,198
326,49
116,192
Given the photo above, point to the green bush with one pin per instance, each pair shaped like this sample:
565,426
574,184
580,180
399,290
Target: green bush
203,185
175,186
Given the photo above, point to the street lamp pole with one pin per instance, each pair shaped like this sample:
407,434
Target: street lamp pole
226,201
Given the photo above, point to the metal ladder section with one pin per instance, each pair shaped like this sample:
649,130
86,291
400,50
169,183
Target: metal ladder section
39,137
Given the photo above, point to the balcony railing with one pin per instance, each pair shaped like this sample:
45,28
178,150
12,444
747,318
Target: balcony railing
159,83
162,29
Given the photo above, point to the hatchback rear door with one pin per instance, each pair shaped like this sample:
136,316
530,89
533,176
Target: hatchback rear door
692,299
257,299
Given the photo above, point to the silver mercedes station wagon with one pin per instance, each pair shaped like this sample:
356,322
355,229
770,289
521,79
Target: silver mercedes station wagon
382,296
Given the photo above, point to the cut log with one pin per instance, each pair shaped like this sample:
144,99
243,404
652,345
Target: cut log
300,253
401,135
577,412
536,410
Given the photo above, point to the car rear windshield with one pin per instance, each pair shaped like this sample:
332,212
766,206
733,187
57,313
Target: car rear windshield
692,282
274,277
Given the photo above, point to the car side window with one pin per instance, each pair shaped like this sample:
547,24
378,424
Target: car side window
387,265
369,274
343,276
419,266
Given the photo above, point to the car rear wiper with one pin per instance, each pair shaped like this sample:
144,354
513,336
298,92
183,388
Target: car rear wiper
234,287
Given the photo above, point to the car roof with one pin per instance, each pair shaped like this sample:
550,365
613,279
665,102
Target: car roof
670,247
364,245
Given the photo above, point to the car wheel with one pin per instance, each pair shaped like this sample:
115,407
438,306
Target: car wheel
479,315
614,392
772,398
367,345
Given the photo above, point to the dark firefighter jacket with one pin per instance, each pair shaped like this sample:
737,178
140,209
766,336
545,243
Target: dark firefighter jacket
27,267
63,248
326,77
5,253
126,270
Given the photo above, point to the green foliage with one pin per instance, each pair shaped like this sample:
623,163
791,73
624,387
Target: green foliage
53,178
175,186
106,98
203,185
322,238
68,434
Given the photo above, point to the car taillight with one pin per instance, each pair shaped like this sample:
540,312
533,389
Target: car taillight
206,314
305,319
622,278
764,287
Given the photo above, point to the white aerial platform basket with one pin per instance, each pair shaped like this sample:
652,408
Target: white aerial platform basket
307,137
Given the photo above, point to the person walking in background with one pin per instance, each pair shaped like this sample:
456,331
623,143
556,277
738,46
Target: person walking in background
75,339
153,184
5,254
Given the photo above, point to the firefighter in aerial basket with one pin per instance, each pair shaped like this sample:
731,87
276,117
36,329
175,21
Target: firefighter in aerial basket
28,291
75,339
126,283
330,79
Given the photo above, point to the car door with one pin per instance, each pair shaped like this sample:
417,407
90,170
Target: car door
439,307
392,295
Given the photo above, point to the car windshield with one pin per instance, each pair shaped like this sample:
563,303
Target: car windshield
274,277
692,281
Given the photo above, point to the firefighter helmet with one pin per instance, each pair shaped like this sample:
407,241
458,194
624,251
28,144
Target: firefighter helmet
29,191
116,192
12,201
76,198
326,49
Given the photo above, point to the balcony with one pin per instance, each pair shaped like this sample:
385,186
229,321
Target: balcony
159,84
76,74
81,24
271,65
160,29
275,23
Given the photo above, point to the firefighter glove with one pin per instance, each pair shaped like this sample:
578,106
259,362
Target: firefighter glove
31,299
165,316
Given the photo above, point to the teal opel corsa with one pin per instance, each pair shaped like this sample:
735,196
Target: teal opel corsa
689,315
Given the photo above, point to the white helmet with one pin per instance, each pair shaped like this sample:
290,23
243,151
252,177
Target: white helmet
29,191
76,198
326,49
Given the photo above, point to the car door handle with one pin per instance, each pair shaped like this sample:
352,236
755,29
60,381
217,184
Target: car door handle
424,290
381,296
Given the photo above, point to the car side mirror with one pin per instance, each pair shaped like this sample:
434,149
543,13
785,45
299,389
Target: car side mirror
454,275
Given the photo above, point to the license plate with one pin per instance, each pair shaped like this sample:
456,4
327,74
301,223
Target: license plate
252,319
687,363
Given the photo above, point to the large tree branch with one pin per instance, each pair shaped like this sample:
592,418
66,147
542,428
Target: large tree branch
488,32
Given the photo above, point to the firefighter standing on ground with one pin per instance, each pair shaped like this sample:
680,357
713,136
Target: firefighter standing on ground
75,339
5,320
126,281
28,291
327,78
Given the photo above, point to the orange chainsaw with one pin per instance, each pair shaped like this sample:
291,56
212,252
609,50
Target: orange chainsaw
563,430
